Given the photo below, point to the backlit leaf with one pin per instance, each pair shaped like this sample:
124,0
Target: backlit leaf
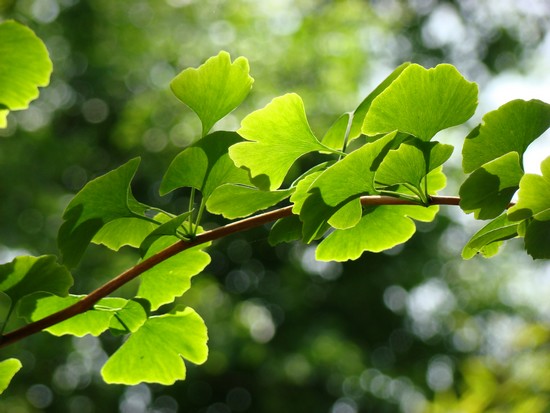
25,65
124,231
169,226
8,369
155,352
279,134
285,230
510,128
537,239
533,196
171,278
204,166
487,240
489,189
26,275
422,102
102,200
237,201
215,88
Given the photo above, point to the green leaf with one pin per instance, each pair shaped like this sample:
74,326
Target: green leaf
94,321
335,137
237,201
361,111
172,277
8,369
422,102
411,162
347,216
327,194
380,228
537,239
154,353
487,240
124,231
205,166
101,201
129,318
169,227
215,88
302,191
489,189
533,196
285,230
26,275
279,135
25,65
510,128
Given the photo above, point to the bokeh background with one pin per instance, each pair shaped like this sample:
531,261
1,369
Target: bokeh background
415,329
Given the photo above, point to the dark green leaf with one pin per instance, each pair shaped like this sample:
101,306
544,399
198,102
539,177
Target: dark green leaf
537,239
25,65
102,200
285,230
279,135
205,166
487,240
154,353
489,189
27,275
422,102
237,201
510,128
215,88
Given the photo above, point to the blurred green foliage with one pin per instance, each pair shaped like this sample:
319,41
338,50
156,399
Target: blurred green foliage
416,329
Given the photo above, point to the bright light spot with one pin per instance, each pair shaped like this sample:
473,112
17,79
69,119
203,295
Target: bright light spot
395,298
326,270
443,27
39,396
440,373
95,110
136,399
45,11
344,406
258,320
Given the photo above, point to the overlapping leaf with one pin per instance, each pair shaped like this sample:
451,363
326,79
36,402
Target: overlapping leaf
489,238
205,166
422,102
124,231
533,196
510,128
26,275
154,353
327,194
94,322
101,201
279,135
237,201
8,369
215,88
489,189
25,65
172,277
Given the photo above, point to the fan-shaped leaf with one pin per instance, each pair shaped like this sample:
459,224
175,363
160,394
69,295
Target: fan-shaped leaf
154,353
533,196
487,240
215,88
8,369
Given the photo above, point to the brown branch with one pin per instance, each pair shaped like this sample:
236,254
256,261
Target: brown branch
244,224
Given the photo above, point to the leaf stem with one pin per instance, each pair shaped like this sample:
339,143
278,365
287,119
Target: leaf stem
245,224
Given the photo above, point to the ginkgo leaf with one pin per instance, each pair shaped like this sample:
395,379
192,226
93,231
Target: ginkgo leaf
380,228
155,352
8,369
205,165
24,67
26,275
327,194
422,102
124,231
168,227
489,189
537,239
237,201
215,88
102,200
510,128
411,162
94,321
358,116
128,318
487,240
285,230
279,135
171,278
533,196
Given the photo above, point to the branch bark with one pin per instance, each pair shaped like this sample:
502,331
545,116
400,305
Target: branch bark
238,226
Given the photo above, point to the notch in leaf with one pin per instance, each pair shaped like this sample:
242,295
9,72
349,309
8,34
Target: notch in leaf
215,88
